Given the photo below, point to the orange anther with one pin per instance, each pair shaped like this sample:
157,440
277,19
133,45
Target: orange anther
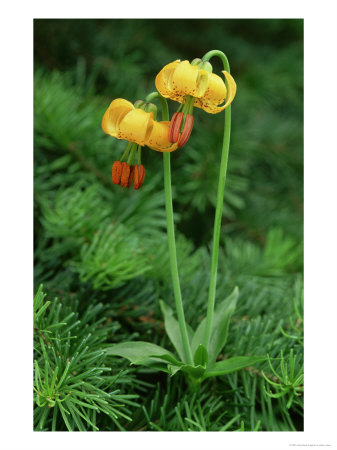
125,174
116,172
139,176
131,176
185,135
174,118
175,126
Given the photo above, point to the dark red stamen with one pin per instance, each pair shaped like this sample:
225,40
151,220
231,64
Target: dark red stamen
174,118
116,172
125,174
131,176
185,135
139,176
175,126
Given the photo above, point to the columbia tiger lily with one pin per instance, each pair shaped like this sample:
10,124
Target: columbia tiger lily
123,121
181,78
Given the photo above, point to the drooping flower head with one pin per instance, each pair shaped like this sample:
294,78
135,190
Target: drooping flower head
136,124
182,78
193,84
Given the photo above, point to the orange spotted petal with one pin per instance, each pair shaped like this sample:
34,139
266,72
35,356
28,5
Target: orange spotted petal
178,79
189,80
184,79
116,111
164,77
136,126
217,93
159,138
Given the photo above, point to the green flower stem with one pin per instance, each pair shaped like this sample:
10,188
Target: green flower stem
132,153
220,54
139,153
164,106
173,258
171,237
126,152
187,109
219,206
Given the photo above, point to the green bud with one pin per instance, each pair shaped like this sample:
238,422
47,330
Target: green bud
150,107
207,66
139,104
196,62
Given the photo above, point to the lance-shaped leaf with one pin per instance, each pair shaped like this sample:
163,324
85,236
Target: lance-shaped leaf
173,331
172,369
222,314
192,371
145,353
231,365
201,356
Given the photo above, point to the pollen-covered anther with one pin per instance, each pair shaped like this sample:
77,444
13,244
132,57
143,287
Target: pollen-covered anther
131,176
175,126
139,175
185,135
125,174
116,172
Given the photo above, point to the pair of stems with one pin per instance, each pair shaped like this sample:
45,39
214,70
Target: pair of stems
217,223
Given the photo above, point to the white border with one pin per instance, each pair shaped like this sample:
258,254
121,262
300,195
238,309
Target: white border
320,222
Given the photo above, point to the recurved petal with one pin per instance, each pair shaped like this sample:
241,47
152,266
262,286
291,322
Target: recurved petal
136,126
117,109
184,79
164,77
159,138
209,103
202,83
231,88
214,95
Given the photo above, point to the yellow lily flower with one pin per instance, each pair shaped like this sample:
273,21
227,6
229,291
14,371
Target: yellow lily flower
123,121
180,79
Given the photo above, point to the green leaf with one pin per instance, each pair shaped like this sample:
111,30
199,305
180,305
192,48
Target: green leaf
193,371
231,365
201,356
222,314
144,353
172,329
172,369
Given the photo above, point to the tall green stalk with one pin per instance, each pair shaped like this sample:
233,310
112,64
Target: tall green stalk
173,258
217,221
171,238
219,206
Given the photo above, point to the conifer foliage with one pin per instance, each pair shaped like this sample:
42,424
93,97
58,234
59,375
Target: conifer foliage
101,261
